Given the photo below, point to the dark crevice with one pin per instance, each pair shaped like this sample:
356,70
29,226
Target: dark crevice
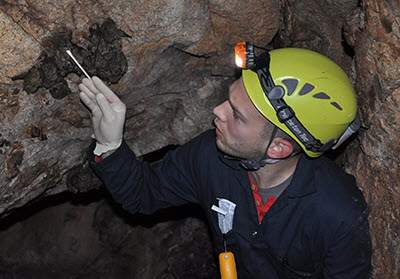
275,42
348,49
338,155
23,213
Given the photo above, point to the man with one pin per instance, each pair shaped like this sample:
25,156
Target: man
268,196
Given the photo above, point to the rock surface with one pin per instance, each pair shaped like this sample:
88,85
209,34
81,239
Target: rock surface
179,65
175,72
374,31
98,240
316,25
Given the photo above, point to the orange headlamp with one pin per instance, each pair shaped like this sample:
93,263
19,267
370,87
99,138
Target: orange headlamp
244,55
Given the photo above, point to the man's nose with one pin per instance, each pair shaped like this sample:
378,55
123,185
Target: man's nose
220,111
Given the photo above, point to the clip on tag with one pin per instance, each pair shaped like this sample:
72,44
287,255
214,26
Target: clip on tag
219,210
225,212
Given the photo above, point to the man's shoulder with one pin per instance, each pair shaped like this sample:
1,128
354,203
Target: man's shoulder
329,172
333,180
338,195
323,175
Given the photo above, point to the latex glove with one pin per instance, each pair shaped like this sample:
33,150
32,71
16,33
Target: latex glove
108,114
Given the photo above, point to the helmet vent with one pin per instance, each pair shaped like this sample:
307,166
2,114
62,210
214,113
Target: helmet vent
336,105
307,88
291,85
321,95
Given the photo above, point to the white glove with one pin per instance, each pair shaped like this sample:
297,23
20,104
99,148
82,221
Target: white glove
108,114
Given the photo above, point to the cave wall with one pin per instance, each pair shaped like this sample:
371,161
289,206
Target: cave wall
92,237
178,67
374,157
178,55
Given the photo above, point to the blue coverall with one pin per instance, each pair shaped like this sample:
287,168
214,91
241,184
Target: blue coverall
317,228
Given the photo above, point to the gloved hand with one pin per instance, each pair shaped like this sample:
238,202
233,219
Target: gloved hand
108,114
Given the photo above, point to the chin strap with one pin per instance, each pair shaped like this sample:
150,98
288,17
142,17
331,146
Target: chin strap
255,164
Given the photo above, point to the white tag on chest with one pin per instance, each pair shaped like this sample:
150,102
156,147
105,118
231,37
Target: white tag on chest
226,211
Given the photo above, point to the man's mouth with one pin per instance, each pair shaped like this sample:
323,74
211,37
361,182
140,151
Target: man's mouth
218,131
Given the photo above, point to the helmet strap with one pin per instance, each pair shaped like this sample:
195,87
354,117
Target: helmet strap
285,113
255,164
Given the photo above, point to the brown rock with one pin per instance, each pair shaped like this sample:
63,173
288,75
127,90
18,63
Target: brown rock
167,85
18,50
9,104
375,162
316,25
14,160
169,92
80,240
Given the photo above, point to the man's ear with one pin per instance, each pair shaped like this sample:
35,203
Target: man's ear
280,149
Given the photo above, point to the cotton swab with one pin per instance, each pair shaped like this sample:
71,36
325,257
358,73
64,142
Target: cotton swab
77,63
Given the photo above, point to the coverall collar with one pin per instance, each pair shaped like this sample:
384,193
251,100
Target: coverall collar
304,166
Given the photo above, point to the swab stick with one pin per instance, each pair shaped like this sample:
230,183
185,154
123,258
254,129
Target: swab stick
77,63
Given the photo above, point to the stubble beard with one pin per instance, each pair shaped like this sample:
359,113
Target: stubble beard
237,150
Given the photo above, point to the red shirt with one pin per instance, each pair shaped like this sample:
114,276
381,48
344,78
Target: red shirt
97,158
262,209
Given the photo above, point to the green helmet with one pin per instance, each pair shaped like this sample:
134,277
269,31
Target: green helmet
306,95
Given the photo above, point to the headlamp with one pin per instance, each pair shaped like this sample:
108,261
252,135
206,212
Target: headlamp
244,55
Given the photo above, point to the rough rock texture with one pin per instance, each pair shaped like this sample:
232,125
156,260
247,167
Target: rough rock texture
374,31
179,65
79,240
100,55
316,25
171,48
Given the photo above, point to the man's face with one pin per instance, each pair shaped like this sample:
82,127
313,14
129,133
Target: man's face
240,127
